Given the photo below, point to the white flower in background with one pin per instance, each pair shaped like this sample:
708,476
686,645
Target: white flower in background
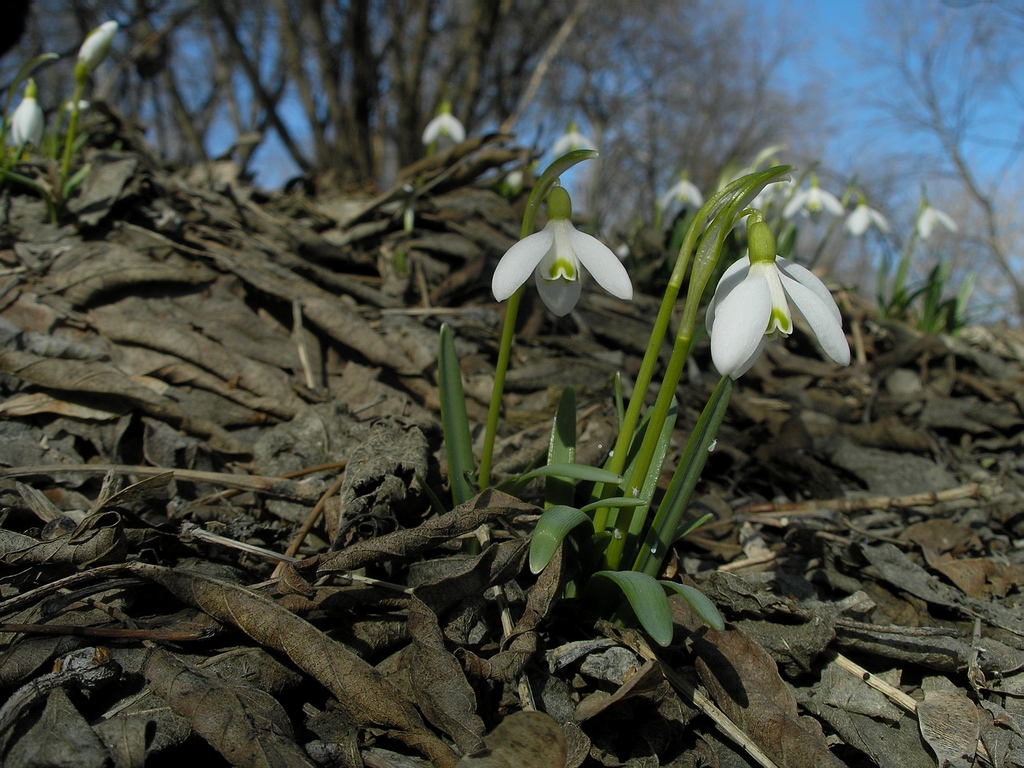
811,201
863,218
69,106
556,257
27,120
444,125
571,140
95,48
683,192
753,301
929,217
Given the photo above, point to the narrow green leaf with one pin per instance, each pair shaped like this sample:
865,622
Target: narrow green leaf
552,527
614,501
562,449
698,448
647,599
700,604
435,502
687,528
573,472
458,445
76,179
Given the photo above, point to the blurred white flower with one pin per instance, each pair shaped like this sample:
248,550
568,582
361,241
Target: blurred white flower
862,218
444,125
95,48
571,140
555,256
683,192
929,217
752,305
27,121
811,201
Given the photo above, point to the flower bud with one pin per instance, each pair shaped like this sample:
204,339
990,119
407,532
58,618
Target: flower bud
95,48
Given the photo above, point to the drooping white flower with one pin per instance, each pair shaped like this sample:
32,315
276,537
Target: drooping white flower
929,217
27,120
683,192
753,303
863,218
444,125
811,201
557,256
571,140
95,48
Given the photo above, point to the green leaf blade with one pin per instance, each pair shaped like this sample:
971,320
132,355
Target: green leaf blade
458,444
647,599
700,603
553,526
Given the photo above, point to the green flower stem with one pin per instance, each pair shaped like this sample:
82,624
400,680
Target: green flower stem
494,411
617,459
666,522
69,140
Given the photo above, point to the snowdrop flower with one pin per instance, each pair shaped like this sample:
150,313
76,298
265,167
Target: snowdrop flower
812,200
556,256
95,49
863,218
752,304
571,140
683,192
27,120
929,217
444,125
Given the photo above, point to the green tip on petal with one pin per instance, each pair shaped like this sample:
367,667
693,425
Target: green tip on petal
561,269
761,243
559,204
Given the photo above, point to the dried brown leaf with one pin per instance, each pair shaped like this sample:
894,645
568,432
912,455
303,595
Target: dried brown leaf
244,724
98,539
484,508
367,696
522,740
61,736
443,694
949,723
743,681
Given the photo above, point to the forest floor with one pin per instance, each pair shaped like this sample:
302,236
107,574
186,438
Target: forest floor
219,440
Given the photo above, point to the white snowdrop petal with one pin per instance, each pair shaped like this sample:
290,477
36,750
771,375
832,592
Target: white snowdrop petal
821,316
857,223
809,280
740,319
519,262
560,296
454,128
795,205
603,265
432,131
831,204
